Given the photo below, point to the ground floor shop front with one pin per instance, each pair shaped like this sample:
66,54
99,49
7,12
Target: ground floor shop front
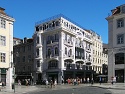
3,75
22,77
119,74
62,75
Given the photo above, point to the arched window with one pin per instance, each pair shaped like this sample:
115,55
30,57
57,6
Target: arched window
37,52
57,23
47,25
53,24
70,52
66,37
76,53
38,63
65,50
49,52
44,26
56,51
37,41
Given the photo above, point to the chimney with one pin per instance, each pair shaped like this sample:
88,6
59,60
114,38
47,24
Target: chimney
25,40
2,11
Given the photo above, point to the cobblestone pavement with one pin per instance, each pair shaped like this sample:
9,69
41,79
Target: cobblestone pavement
26,89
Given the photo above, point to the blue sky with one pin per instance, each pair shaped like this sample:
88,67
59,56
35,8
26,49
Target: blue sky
90,14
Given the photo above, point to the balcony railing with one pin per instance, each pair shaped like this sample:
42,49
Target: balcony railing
39,69
38,45
70,43
53,67
52,41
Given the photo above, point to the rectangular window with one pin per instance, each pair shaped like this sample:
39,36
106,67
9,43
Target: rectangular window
38,63
3,23
2,40
56,37
29,58
23,48
48,38
23,58
66,37
18,49
2,57
37,40
120,38
29,47
76,53
37,52
123,9
18,59
120,23
29,68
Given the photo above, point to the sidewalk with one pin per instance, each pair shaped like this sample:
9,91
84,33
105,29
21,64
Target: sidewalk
119,86
26,89
18,90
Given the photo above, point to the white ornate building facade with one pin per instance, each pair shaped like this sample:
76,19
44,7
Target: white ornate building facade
62,49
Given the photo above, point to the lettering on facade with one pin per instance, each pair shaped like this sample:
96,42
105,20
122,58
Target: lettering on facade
121,49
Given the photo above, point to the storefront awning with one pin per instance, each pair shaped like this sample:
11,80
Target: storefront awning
101,76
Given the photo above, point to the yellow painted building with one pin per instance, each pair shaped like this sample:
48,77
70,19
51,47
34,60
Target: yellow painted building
6,47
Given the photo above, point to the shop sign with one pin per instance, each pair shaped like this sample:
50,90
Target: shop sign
2,70
121,49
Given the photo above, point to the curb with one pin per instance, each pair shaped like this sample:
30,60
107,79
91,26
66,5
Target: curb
109,88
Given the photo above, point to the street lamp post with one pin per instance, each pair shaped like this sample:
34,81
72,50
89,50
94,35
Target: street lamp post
13,66
124,68
112,65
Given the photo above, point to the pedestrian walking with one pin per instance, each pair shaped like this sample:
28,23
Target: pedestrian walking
75,81
68,81
62,81
92,81
84,80
26,82
114,79
51,83
55,82
0,85
47,83
81,80
88,80
19,82
3,84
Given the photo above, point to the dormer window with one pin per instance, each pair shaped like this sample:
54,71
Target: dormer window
123,9
50,25
53,24
57,23
120,23
37,28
